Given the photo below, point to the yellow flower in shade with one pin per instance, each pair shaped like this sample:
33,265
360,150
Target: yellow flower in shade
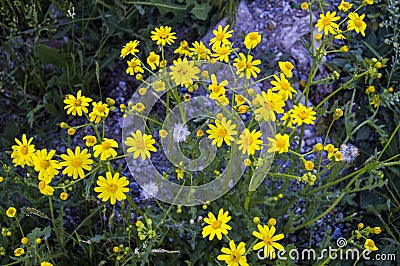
216,226
370,245
245,66
250,142
153,60
140,144
105,149
200,51
163,133
268,237
24,241
330,149
158,86
184,72
11,212
222,53
76,105
45,165
183,49
234,256
64,195
375,101
318,147
23,152
222,131
272,221
76,162
215,88
252,40
130,48
287,120
356,23
283,87
163,35
279,144
376,230
71,131
269,103
100,111
179,173
45,263
221,36
90,140
19,252
338,156
223,100
370,89
304,6
344,6
134,66
301,114
138,107
112,187
327,23
369,2
45,189
309,165
286,67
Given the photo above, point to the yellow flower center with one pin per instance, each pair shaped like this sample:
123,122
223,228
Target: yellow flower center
288,66
271,105
253,36
223,51
101,108
249,65
358,23
44,164
285,85
163,35
106,145
268,240
220,36
326,21
132,64
241,65
235,256
112,187
222,132
303,114
280,143
216,224
42,185
76,162
141,144
77,102
346,5
182,71
24,150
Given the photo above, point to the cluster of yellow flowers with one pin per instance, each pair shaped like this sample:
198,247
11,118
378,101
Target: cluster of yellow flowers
236,254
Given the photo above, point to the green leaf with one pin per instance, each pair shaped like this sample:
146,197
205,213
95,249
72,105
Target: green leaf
50,55
201,11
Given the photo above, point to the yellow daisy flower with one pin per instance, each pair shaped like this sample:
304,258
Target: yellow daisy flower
252,40
309,165
183,49
112,187
222,53
19,252
286,67
268,237
200,51
327,23
356,23
100,111
221,36
105,149
279,144
283,87
344,6
163,35
130,48
269,103
301,114
45,189
141,144
250,142
76,105
22,152
11,212
223,131
216,226
153,60
43,163
234,256
134,66
215,88
76,162
184,72
90,140
330,149
45,263
158,86
246,66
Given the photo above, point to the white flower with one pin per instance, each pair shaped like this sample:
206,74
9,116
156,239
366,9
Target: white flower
71,13
349,152
149,190
180,132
